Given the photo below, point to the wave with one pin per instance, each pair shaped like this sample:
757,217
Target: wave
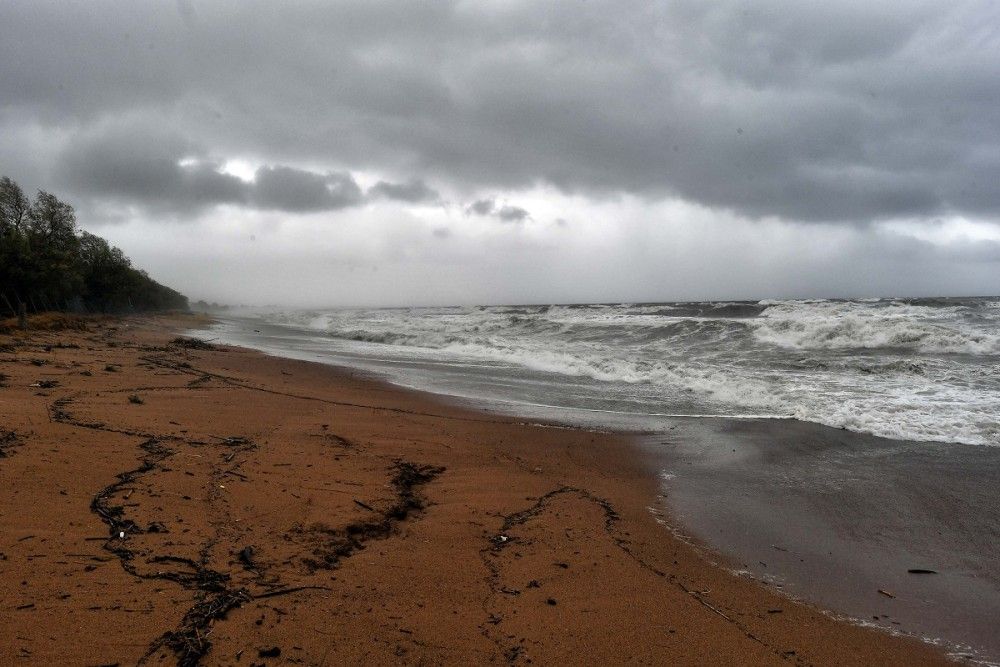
833,326
968,425
901,368
909,411
710,310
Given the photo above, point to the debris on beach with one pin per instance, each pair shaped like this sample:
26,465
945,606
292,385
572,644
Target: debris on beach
8,439
246,558
192,343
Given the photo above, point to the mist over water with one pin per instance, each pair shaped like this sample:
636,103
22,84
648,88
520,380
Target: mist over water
915,369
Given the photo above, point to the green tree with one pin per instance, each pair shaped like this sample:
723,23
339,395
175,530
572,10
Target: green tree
47,262
14,207
54,244
15,261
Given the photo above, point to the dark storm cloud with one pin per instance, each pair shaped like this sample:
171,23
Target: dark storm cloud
288,189
413,191
840,111
138,163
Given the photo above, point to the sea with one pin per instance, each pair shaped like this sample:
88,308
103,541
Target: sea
824,446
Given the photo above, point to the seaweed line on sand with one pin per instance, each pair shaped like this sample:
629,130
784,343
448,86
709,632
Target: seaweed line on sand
215,596
337,544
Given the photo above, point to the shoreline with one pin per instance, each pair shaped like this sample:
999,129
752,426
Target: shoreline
824,514
269,503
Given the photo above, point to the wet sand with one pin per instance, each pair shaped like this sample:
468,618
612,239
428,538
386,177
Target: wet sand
167,504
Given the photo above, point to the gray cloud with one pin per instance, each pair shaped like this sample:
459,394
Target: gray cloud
142,164
481,207
187,12
145,165
512,214
839,111
504,212
288,189
413,191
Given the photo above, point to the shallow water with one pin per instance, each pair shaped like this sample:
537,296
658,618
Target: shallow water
834,517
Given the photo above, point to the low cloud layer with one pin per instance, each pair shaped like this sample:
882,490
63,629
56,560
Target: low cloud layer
136,164
361,257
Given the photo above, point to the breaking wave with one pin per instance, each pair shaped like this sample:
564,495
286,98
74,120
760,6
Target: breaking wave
923,369
844,325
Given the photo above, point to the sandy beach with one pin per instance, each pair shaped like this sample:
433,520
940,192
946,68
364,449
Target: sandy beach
166,502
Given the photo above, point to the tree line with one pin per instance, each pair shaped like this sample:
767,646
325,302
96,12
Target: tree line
47,263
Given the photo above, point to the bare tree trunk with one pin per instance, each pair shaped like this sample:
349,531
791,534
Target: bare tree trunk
22,316
13,311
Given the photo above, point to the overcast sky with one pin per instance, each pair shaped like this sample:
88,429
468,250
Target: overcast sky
437,152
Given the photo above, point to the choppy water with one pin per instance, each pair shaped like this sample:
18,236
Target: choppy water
918,369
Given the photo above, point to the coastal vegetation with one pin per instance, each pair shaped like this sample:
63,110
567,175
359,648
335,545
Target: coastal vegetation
48,264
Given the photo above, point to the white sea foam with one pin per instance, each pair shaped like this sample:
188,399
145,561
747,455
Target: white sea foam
840,325
925,370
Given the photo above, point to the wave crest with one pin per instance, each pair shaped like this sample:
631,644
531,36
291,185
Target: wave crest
838,326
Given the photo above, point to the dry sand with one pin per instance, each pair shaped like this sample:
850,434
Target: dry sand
268,511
